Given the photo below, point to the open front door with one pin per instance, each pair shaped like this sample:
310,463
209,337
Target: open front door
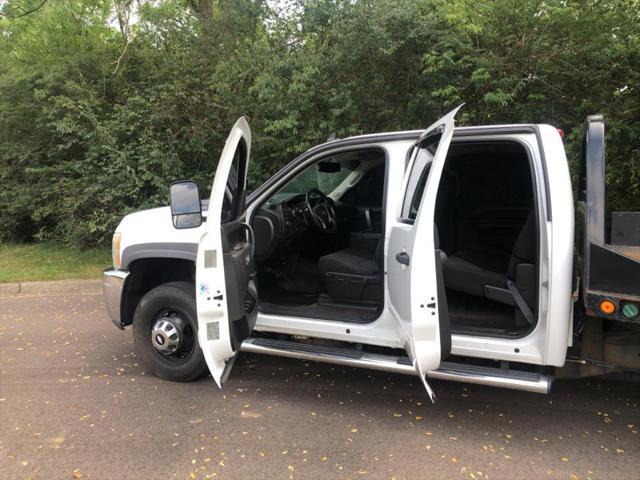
226,299
416,289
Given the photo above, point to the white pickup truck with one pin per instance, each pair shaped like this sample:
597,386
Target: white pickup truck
448,253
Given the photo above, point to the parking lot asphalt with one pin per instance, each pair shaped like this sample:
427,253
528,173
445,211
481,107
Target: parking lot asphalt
75,403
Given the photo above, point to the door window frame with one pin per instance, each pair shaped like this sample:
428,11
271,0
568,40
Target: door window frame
295,167
510,136
414,173
237,197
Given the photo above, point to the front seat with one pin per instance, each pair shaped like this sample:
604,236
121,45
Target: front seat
352,273
506,278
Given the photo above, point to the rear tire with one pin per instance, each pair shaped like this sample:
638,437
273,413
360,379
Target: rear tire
170,307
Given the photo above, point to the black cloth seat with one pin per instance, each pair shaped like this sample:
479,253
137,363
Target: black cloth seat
485,258
353,261
470,270
465,276
353,273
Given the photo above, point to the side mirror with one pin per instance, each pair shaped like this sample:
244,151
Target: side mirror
185,204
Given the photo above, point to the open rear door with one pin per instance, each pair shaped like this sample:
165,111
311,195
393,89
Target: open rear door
416,289
226,299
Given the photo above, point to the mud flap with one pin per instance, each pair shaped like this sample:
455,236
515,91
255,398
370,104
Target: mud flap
227,370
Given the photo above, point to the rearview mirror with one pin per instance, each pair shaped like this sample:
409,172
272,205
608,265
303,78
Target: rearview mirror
185,204
329,167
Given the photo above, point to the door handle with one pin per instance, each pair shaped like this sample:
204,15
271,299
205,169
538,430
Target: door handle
403,258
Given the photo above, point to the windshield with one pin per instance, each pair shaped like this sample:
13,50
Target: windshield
326,175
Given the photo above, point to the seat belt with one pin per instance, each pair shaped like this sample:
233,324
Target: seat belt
520,301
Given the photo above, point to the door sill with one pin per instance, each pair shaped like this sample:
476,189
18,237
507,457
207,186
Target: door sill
488,332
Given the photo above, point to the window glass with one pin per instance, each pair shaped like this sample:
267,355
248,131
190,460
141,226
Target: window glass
234,194
418,177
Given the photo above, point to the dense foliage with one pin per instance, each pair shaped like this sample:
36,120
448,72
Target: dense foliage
104,102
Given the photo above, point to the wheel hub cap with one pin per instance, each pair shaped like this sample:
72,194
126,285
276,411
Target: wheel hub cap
165,336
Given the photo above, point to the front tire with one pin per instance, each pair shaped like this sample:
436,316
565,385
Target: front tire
165,332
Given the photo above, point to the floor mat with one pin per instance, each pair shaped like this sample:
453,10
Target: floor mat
299,296
468,311
270,289
285,297
342,313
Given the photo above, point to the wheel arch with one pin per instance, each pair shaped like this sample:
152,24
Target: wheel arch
146,273
159,250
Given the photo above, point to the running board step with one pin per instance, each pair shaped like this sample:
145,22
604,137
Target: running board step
495,377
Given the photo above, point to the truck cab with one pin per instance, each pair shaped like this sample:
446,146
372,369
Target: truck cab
443,253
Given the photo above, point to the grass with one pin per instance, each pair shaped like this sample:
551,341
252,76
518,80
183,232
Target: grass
50,261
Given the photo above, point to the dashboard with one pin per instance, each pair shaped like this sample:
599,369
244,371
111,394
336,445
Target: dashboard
278,222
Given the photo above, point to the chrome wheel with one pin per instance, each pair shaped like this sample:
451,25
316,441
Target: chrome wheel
165,336
172,336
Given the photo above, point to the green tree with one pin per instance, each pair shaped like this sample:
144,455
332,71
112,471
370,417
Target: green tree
104,102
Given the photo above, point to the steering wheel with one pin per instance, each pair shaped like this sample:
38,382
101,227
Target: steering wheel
321,210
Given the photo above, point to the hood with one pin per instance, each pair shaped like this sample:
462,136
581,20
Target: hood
155,226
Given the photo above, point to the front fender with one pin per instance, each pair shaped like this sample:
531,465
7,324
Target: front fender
182,251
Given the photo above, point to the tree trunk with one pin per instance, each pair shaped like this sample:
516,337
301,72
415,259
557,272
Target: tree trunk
205,9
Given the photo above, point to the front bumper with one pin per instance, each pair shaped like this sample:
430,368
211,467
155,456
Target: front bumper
113,282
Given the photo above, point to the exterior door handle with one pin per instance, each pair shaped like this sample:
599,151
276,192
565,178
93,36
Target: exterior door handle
403,258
